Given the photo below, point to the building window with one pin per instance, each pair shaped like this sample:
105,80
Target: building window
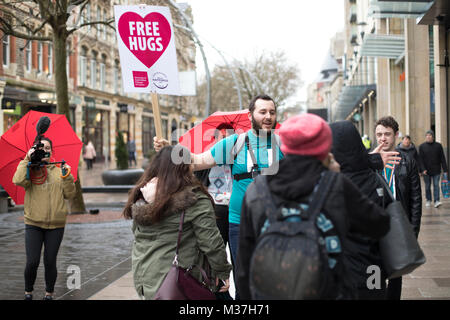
50,58
93,73
40,57
83,66
6,50
99,18
28,56
104,25
102,75
88,14
116,80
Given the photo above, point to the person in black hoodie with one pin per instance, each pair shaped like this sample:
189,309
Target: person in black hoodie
363,251
306,142
408,147
432,156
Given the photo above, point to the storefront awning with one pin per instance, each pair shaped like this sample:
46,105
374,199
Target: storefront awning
439,13
398,9
383,46
349,98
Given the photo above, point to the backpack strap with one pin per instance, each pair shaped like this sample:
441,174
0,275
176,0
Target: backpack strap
320,193
238,144
265,196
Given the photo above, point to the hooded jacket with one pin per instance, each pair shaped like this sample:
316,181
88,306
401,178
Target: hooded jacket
296,178
44,205
412,152
353,158
155,243
433,158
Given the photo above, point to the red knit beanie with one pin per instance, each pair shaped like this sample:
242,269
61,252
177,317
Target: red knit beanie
307,135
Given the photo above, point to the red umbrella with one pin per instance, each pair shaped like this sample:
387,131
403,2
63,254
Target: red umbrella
15,143
201,137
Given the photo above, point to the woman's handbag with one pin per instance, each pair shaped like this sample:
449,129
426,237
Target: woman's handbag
400,251
179,284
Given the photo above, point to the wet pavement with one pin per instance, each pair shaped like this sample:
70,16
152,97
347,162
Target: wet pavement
99,245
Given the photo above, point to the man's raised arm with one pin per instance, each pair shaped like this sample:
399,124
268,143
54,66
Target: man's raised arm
200,161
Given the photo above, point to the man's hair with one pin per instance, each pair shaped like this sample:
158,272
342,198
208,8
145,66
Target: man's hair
407,137
388,122
251,106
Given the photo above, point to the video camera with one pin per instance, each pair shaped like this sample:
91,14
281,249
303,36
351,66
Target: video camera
39,153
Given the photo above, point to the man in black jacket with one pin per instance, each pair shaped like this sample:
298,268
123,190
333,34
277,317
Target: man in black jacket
432,156
408,147
404,181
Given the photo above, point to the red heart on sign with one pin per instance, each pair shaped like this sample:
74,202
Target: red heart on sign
147,38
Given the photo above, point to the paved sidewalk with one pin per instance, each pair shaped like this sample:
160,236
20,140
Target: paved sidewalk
430,281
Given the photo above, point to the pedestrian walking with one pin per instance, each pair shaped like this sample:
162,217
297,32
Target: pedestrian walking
131,147
433,159
404,182
253,153
366,141
165,191
284,269
407,146
89,154
362,252
45,211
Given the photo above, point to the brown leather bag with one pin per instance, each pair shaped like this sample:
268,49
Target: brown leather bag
179,284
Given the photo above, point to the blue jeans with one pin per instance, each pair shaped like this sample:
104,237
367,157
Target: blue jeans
436,191
233,240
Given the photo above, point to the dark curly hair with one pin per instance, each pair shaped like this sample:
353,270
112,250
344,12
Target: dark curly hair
388,122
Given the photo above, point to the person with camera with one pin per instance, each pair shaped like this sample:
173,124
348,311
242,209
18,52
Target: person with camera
46,187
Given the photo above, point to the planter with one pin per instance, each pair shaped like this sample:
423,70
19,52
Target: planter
121,177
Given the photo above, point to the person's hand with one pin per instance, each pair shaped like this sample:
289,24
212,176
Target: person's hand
225,286
390,158
28,156
160,143
331,163
424,172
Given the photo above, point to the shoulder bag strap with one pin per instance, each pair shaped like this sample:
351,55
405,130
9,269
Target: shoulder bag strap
252,155
385,185
180,232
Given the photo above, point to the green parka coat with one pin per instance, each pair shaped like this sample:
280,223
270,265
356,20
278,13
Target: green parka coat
155,244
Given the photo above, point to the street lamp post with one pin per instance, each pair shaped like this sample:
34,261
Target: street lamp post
195,37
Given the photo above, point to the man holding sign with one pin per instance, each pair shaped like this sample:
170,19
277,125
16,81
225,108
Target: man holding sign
258,153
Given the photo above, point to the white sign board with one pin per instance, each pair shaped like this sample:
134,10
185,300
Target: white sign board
147,49
188,83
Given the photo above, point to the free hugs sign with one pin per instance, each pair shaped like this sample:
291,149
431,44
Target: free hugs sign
147,49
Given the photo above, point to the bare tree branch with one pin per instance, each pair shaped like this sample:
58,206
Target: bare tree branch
108,23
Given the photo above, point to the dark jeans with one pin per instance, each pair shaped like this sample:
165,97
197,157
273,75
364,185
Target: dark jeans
234,243
34,238
131,158
89,163
436,179
394,289
222,221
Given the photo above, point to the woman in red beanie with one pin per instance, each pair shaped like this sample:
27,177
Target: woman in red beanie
306,142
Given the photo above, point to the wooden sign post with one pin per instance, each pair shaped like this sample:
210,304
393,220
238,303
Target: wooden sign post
157,116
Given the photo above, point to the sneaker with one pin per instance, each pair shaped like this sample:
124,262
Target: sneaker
47,297
28,297
428,204
437,204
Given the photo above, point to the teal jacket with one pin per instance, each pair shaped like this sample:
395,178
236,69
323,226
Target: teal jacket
155,244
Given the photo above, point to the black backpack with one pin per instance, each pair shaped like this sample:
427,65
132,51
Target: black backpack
297,255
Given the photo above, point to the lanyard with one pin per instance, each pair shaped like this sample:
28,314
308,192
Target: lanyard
389,180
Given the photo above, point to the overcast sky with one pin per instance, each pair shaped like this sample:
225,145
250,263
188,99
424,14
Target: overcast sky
302,28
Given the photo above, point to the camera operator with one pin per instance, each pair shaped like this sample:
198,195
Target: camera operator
46,187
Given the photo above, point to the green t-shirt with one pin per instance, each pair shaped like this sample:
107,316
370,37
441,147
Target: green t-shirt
262,149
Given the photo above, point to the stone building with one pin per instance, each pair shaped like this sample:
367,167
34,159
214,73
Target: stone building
98,106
